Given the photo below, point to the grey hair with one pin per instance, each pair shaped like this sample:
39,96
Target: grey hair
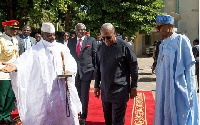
108,26
82,25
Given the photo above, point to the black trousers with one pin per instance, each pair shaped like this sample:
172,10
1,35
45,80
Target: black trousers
114,113
83,93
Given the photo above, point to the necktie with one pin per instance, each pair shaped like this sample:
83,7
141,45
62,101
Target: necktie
78,49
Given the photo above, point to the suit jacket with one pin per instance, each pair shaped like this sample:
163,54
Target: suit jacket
21,43
86,59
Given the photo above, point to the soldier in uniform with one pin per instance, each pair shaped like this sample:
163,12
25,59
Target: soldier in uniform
8,53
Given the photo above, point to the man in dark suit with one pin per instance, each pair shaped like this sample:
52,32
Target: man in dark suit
99,42
25,41
83,49
115,63
66,36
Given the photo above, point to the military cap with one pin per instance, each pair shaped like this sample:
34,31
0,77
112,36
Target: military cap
11,23
88,32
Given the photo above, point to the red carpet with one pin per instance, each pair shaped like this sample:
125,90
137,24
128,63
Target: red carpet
140,111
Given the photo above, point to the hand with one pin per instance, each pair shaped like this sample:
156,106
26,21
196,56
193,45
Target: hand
9,68
97,92
133,93
66,71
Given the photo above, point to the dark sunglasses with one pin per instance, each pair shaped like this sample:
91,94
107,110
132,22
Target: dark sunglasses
160,26
108,38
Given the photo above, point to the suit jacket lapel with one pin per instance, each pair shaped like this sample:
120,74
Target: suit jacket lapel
84,44
23,43
74,47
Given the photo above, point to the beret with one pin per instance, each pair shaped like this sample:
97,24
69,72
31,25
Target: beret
98,35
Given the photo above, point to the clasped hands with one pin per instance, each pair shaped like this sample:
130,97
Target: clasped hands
8,68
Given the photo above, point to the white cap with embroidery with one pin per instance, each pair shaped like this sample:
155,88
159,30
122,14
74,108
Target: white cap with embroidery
48,27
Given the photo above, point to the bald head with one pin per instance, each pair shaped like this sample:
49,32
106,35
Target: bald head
107,26
108,34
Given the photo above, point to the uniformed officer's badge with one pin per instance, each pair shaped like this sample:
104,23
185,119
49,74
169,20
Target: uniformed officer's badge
15,23
162,58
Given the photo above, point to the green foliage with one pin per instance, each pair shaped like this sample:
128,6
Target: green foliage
128,16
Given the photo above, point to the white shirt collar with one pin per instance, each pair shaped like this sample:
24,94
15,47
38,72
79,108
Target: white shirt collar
81,38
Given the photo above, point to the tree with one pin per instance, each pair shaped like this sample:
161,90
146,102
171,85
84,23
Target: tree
34,12
128,16
15,10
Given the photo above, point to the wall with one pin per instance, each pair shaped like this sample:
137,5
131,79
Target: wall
189,23
189,12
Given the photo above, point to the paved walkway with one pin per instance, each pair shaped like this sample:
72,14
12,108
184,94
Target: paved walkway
146,80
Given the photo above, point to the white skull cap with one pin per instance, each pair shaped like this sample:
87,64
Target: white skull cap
48,27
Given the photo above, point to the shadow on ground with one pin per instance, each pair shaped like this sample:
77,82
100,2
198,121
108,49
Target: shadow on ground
147,79
144,56
95,123
143,73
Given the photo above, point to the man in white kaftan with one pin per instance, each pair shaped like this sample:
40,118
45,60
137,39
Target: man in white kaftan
40,94
176,97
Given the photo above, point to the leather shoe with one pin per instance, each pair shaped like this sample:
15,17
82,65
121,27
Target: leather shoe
83,122
8,122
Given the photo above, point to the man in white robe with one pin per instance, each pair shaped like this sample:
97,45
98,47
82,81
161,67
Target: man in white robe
176,97
40,93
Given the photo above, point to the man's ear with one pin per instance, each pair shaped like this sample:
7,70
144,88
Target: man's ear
5,28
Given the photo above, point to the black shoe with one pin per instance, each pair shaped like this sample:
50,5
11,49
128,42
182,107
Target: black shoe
83,122
2,122
198,91
10,122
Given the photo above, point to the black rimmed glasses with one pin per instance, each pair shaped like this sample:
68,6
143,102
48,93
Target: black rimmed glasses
160,26
107,37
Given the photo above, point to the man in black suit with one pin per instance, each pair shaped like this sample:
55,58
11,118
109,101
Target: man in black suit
115,63
83,49
25,41
66,36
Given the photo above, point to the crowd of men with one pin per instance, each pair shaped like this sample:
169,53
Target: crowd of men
32,69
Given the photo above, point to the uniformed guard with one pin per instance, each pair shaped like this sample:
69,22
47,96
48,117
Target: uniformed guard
8,53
